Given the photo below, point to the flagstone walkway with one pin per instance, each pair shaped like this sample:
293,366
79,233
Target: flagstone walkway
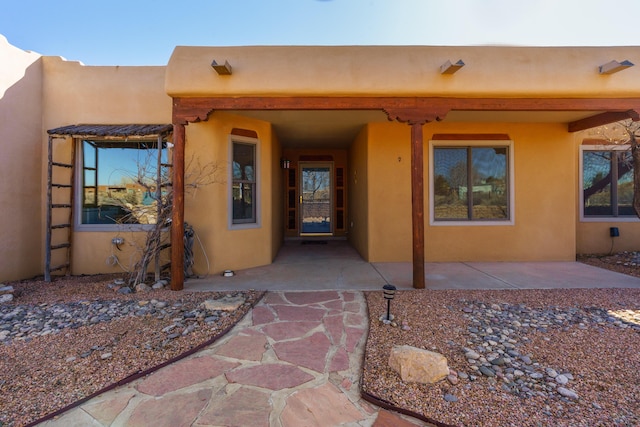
294,361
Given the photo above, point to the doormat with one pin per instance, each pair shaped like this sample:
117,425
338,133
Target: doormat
314,242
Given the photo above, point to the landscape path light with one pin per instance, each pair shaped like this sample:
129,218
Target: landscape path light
389,292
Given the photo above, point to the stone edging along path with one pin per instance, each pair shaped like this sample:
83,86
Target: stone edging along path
297,359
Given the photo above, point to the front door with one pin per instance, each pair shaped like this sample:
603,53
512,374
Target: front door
316,204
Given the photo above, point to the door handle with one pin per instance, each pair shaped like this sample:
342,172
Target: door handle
300,199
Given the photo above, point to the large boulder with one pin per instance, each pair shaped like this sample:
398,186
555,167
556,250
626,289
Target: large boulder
418,365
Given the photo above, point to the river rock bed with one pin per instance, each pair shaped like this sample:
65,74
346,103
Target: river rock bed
516,358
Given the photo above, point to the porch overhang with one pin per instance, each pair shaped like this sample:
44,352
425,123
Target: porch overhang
106,131
405,85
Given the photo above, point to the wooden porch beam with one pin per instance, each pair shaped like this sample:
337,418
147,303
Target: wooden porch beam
187,110
603,119
177,214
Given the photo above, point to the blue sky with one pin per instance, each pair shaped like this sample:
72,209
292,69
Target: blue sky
144,32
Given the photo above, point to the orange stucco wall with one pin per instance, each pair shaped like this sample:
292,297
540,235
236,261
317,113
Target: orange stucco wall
207,207
400,71
20,163
74,94
544,227
358,201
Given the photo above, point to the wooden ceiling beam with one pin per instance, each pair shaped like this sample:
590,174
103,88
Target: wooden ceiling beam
603,119
193,109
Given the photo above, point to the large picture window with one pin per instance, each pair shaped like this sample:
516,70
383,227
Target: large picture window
607,182
471,183
119,182
243,190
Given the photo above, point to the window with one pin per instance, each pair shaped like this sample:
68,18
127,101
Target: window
243,187
607,182
471,183
118,182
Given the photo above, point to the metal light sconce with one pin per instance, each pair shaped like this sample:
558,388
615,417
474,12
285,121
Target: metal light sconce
285,163
389,292
614,67
449,68
222,70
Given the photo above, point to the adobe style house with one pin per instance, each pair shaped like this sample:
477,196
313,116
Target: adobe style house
411,153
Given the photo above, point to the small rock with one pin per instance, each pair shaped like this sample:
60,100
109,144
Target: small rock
125,290
487,372
104,356
70,359
141,287
6,290
453,379
568,393
159,284
189,329
6,298
498,361
562,379
223,304
472,355
450,398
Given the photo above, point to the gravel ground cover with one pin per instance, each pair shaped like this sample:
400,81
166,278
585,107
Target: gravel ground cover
517,357
63,341
594,350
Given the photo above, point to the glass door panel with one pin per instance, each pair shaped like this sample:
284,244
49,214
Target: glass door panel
315,199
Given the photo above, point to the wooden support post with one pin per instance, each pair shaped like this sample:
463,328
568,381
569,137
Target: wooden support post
417,204
416,118
177,215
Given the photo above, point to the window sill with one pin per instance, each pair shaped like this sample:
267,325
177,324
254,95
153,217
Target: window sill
245,226
465,223
610,219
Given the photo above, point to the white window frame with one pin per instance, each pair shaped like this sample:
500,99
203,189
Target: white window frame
77,211
583,218
258,202
511,191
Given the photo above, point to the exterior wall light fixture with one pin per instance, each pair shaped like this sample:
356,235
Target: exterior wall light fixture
614,67
222,70
285,163
389,292
449,68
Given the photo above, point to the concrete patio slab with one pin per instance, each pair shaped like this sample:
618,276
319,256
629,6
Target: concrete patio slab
337,266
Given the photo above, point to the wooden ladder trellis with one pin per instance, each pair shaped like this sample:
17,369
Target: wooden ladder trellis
59,199
160,206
